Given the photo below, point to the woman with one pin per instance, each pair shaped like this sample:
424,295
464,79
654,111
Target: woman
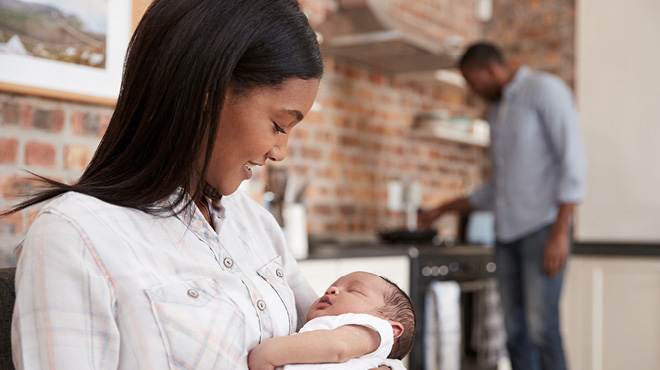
150,260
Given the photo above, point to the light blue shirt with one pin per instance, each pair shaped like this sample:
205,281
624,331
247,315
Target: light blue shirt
537,155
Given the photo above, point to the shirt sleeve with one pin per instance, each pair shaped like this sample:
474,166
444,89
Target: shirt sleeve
558,116
63,317
483,197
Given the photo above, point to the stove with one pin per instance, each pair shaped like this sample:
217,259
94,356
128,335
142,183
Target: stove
467,265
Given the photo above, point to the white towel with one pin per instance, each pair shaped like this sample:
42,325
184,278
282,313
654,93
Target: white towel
442,326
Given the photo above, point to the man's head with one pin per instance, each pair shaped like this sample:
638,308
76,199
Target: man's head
363,292
485,71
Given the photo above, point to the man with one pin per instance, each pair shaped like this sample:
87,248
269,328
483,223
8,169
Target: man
538,178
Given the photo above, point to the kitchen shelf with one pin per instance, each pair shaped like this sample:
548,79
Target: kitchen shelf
450,134
441,77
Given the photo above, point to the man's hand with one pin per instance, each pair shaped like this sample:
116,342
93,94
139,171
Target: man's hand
426,218
556,251
258,359
557,245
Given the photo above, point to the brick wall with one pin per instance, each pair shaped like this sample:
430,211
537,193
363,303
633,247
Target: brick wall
538,33
348,149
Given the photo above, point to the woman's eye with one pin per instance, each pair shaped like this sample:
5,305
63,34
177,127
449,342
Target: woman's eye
278,128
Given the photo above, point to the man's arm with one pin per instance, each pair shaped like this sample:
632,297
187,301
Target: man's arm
426,218
314,347
559,118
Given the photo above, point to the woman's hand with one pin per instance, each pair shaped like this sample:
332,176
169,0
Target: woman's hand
258,359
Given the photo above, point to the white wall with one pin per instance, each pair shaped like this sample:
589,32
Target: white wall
618,93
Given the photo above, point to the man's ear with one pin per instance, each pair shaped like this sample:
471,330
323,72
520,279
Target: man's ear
397,328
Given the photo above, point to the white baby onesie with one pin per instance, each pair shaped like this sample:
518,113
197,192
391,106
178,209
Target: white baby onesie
365,362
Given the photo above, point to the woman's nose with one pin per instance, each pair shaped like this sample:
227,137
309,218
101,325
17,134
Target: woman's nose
278,151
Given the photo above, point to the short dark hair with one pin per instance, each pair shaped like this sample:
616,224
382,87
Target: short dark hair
399,307
182,60
481,54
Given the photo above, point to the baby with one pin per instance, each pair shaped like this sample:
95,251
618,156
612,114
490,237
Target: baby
334,334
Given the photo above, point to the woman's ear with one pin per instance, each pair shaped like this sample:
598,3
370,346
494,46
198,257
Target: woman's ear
397,328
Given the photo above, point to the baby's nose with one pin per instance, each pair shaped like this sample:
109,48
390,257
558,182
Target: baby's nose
332,290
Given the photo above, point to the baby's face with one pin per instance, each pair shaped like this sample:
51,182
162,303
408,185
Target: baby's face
357,292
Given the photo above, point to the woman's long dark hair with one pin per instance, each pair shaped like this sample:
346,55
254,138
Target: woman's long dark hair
182,58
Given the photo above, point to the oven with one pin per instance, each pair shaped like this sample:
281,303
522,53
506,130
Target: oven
470,267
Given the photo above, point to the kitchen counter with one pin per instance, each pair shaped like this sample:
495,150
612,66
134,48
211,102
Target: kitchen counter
620,249
380,249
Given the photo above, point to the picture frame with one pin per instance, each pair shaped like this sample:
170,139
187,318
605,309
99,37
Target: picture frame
32,75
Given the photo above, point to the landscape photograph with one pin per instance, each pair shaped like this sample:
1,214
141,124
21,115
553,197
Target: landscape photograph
70,31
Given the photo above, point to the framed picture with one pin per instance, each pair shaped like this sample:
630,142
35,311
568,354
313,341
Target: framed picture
66,49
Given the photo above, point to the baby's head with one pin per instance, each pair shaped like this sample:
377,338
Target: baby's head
363,292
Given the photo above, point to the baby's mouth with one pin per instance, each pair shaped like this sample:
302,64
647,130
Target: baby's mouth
325,299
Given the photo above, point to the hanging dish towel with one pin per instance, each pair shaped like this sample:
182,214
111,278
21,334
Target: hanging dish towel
442,326
488,333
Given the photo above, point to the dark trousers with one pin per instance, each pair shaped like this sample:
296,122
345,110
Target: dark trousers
530,300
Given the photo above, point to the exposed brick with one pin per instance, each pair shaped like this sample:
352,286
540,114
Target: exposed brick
8,150
26,114
12,224
10,113
49,120
38,153
16,185
77,157
86,124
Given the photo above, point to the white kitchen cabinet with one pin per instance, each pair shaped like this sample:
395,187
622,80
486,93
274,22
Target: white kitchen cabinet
611,313
322,272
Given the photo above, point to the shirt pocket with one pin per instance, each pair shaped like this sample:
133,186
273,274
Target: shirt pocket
273,273
201,327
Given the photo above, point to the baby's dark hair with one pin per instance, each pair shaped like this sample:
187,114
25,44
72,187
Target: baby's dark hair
398,307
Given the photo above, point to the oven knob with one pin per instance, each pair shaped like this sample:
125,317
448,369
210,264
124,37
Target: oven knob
491,267
435,271
444,270
426,271
453,267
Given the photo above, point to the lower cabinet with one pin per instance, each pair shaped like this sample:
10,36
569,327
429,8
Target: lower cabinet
611,313
322,272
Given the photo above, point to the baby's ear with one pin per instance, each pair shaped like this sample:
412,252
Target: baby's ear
397,328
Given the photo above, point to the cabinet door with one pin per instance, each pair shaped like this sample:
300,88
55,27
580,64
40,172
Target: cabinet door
395,268
320,273
611,313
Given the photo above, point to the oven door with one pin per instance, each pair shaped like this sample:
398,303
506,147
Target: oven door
481,341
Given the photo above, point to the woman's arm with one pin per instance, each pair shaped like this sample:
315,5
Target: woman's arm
314,347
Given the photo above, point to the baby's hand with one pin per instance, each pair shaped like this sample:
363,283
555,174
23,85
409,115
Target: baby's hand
258,358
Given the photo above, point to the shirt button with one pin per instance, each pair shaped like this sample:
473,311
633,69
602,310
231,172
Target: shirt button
193,293
261,305
279,273
228,262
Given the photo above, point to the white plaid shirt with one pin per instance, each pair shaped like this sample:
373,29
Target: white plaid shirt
106,287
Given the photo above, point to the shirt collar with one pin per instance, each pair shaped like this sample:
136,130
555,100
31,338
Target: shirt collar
521,74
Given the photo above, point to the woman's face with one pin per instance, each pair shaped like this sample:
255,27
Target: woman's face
255,126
